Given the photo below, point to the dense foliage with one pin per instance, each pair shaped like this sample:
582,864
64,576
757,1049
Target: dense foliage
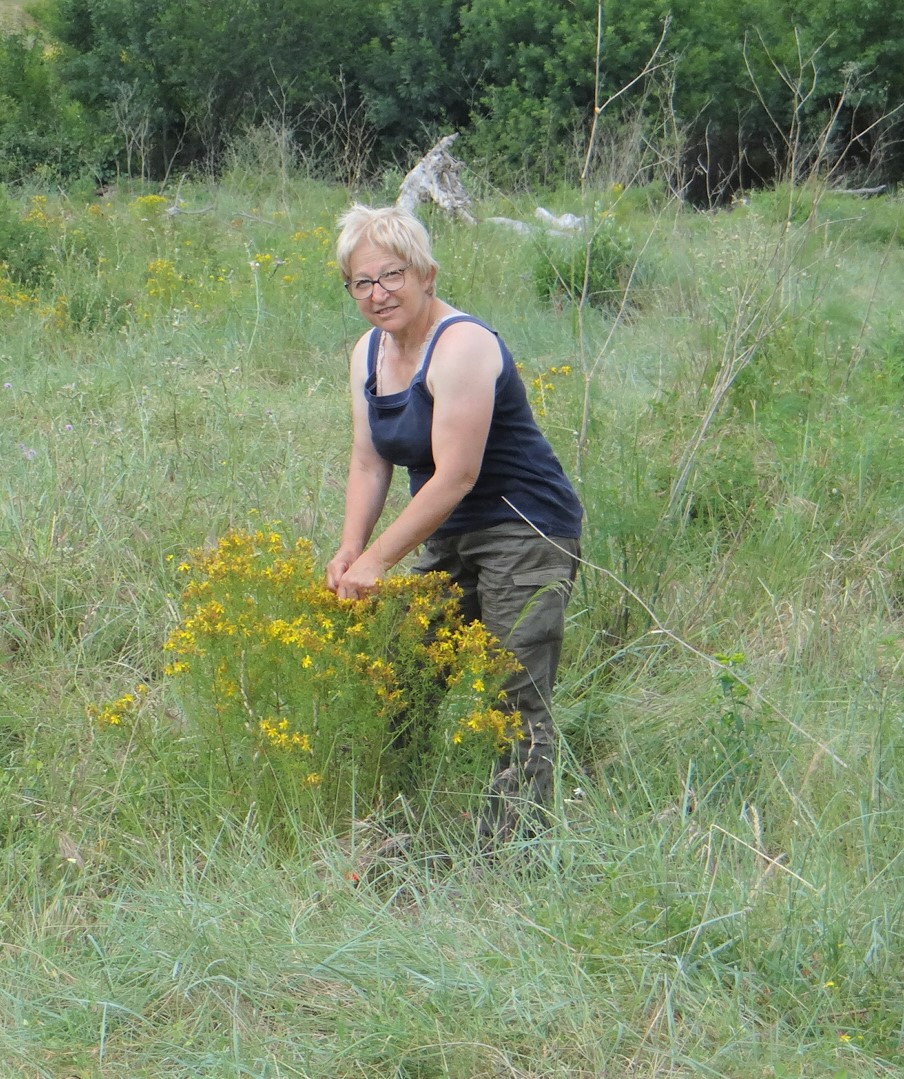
143,87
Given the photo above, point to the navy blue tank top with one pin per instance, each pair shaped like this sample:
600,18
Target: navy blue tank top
518,463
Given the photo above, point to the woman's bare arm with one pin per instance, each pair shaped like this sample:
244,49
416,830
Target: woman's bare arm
368,481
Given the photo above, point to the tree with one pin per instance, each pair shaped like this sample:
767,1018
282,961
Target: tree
518,77
40,123
198,69
411,75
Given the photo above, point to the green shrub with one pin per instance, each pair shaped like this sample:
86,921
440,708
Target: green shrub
596,271
304,697
24,247
44,133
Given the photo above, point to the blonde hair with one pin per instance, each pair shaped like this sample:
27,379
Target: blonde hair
388,227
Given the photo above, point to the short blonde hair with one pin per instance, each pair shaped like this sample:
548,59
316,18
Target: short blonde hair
388,227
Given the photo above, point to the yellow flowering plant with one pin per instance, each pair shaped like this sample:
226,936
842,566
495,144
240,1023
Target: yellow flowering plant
120,712
312,699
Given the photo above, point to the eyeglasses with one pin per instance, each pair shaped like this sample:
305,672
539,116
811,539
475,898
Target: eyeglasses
361,288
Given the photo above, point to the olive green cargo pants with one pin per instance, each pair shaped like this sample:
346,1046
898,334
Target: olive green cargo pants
518,584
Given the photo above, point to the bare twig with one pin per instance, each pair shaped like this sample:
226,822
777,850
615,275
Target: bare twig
598,108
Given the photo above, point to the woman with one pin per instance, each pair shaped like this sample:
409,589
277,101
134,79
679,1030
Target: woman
437,391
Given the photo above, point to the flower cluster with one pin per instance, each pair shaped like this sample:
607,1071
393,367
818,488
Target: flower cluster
542,388
11,296
37,212
338,695
164,280
149,205
120,711
318,235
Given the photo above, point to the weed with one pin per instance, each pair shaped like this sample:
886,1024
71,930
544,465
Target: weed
596,272
298,691
24,242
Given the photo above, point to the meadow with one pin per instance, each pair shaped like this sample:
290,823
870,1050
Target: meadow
721,892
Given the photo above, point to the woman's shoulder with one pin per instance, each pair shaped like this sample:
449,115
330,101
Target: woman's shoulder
463,349
458,328
452,316
467,334
367,339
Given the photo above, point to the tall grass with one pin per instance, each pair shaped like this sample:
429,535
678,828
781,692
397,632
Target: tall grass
721,893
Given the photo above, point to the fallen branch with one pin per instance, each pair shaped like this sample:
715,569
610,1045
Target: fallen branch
566,225
435,179
866,192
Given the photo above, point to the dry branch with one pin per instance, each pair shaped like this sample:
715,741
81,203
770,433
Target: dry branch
435,179
864,192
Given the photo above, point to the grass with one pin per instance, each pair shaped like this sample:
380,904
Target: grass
13,15
721,893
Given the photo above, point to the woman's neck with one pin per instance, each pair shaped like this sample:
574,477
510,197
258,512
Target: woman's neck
409,344
396,373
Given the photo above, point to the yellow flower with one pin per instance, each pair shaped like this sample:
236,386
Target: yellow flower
113,714
261,634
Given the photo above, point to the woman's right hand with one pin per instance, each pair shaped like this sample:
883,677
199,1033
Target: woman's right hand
336,568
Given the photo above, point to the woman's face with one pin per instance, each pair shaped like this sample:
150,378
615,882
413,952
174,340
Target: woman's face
390,310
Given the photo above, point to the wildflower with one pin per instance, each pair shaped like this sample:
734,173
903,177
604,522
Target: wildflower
313,681
149,204
114,713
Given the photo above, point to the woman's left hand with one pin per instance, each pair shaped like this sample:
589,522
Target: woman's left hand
362,577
